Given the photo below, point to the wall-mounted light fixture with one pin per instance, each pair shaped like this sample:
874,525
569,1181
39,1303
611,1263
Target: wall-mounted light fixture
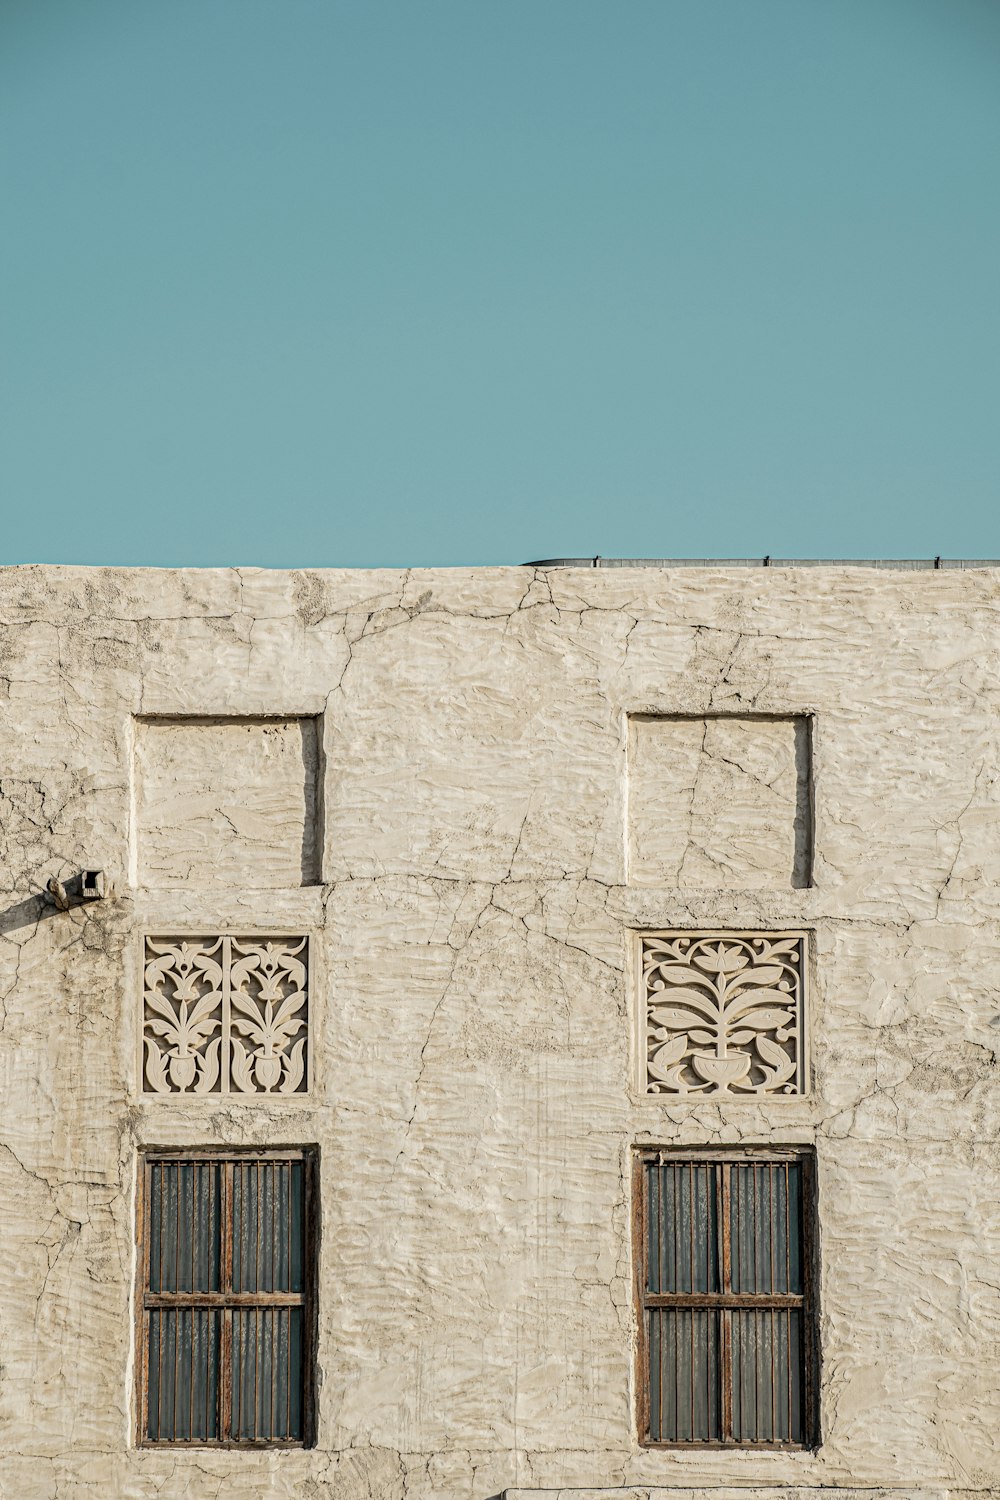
89,885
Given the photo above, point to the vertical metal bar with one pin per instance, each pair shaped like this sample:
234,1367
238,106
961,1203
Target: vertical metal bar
651,1332
159,1373
704,1225
275,1315
288,1225
711,1326
645,1242
256,1248
757,1384
772,1323
287,1172
225,1395
175,1316
652,1189
236,1400
733,1172
691,1374
163,1223
788,1236
211,1347
678,1326
690,1277
668,1332
772,1227
264,1177
756,1372
256,1366
197,1179
275,1180
725,1315
166,1388
288,1374
217,1320
257,1288
196,1170
175,1173
218,1190
672,1175
754,1193
788,1366
206,1202
239,1188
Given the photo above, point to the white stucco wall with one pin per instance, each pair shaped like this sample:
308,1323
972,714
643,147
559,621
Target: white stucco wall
475,1096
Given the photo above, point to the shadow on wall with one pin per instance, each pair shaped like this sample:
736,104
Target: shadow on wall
34,909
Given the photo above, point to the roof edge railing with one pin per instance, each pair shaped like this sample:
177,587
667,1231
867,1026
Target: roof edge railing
904,564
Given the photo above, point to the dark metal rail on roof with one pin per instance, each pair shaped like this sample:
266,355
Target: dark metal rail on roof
905,564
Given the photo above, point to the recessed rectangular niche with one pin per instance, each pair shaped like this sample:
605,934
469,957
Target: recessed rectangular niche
719,801
229,802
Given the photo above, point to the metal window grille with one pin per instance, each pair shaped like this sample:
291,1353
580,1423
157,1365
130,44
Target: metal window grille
725,1291
225,1314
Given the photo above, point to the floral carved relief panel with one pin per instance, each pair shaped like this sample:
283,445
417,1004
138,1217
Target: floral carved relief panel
723,1013
225,1015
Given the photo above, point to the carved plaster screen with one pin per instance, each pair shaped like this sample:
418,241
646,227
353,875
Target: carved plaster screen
723,1014
225,1308
724,1283
225,1015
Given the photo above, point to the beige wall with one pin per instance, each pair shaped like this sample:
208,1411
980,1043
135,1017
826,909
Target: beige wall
483,741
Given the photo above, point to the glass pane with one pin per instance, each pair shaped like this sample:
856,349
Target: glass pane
183,1366
267,1374
765,1231
268,1226
683,1227
684,1375
767,1375
184,1226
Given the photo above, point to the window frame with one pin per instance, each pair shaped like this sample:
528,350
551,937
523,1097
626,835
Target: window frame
227,1300
727,1302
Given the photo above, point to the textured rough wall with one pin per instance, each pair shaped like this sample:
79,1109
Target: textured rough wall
225,803
475,1092
718,800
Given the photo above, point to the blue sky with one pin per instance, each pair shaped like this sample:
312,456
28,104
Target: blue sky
315,283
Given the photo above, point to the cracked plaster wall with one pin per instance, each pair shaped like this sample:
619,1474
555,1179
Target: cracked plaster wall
473,1045
231,800
718,800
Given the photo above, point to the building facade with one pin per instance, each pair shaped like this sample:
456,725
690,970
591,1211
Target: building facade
522,1031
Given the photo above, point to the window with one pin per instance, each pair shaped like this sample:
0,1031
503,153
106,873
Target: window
724,1279
225,1316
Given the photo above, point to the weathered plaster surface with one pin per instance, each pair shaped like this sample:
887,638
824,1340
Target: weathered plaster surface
474,1093
718,800
226,802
